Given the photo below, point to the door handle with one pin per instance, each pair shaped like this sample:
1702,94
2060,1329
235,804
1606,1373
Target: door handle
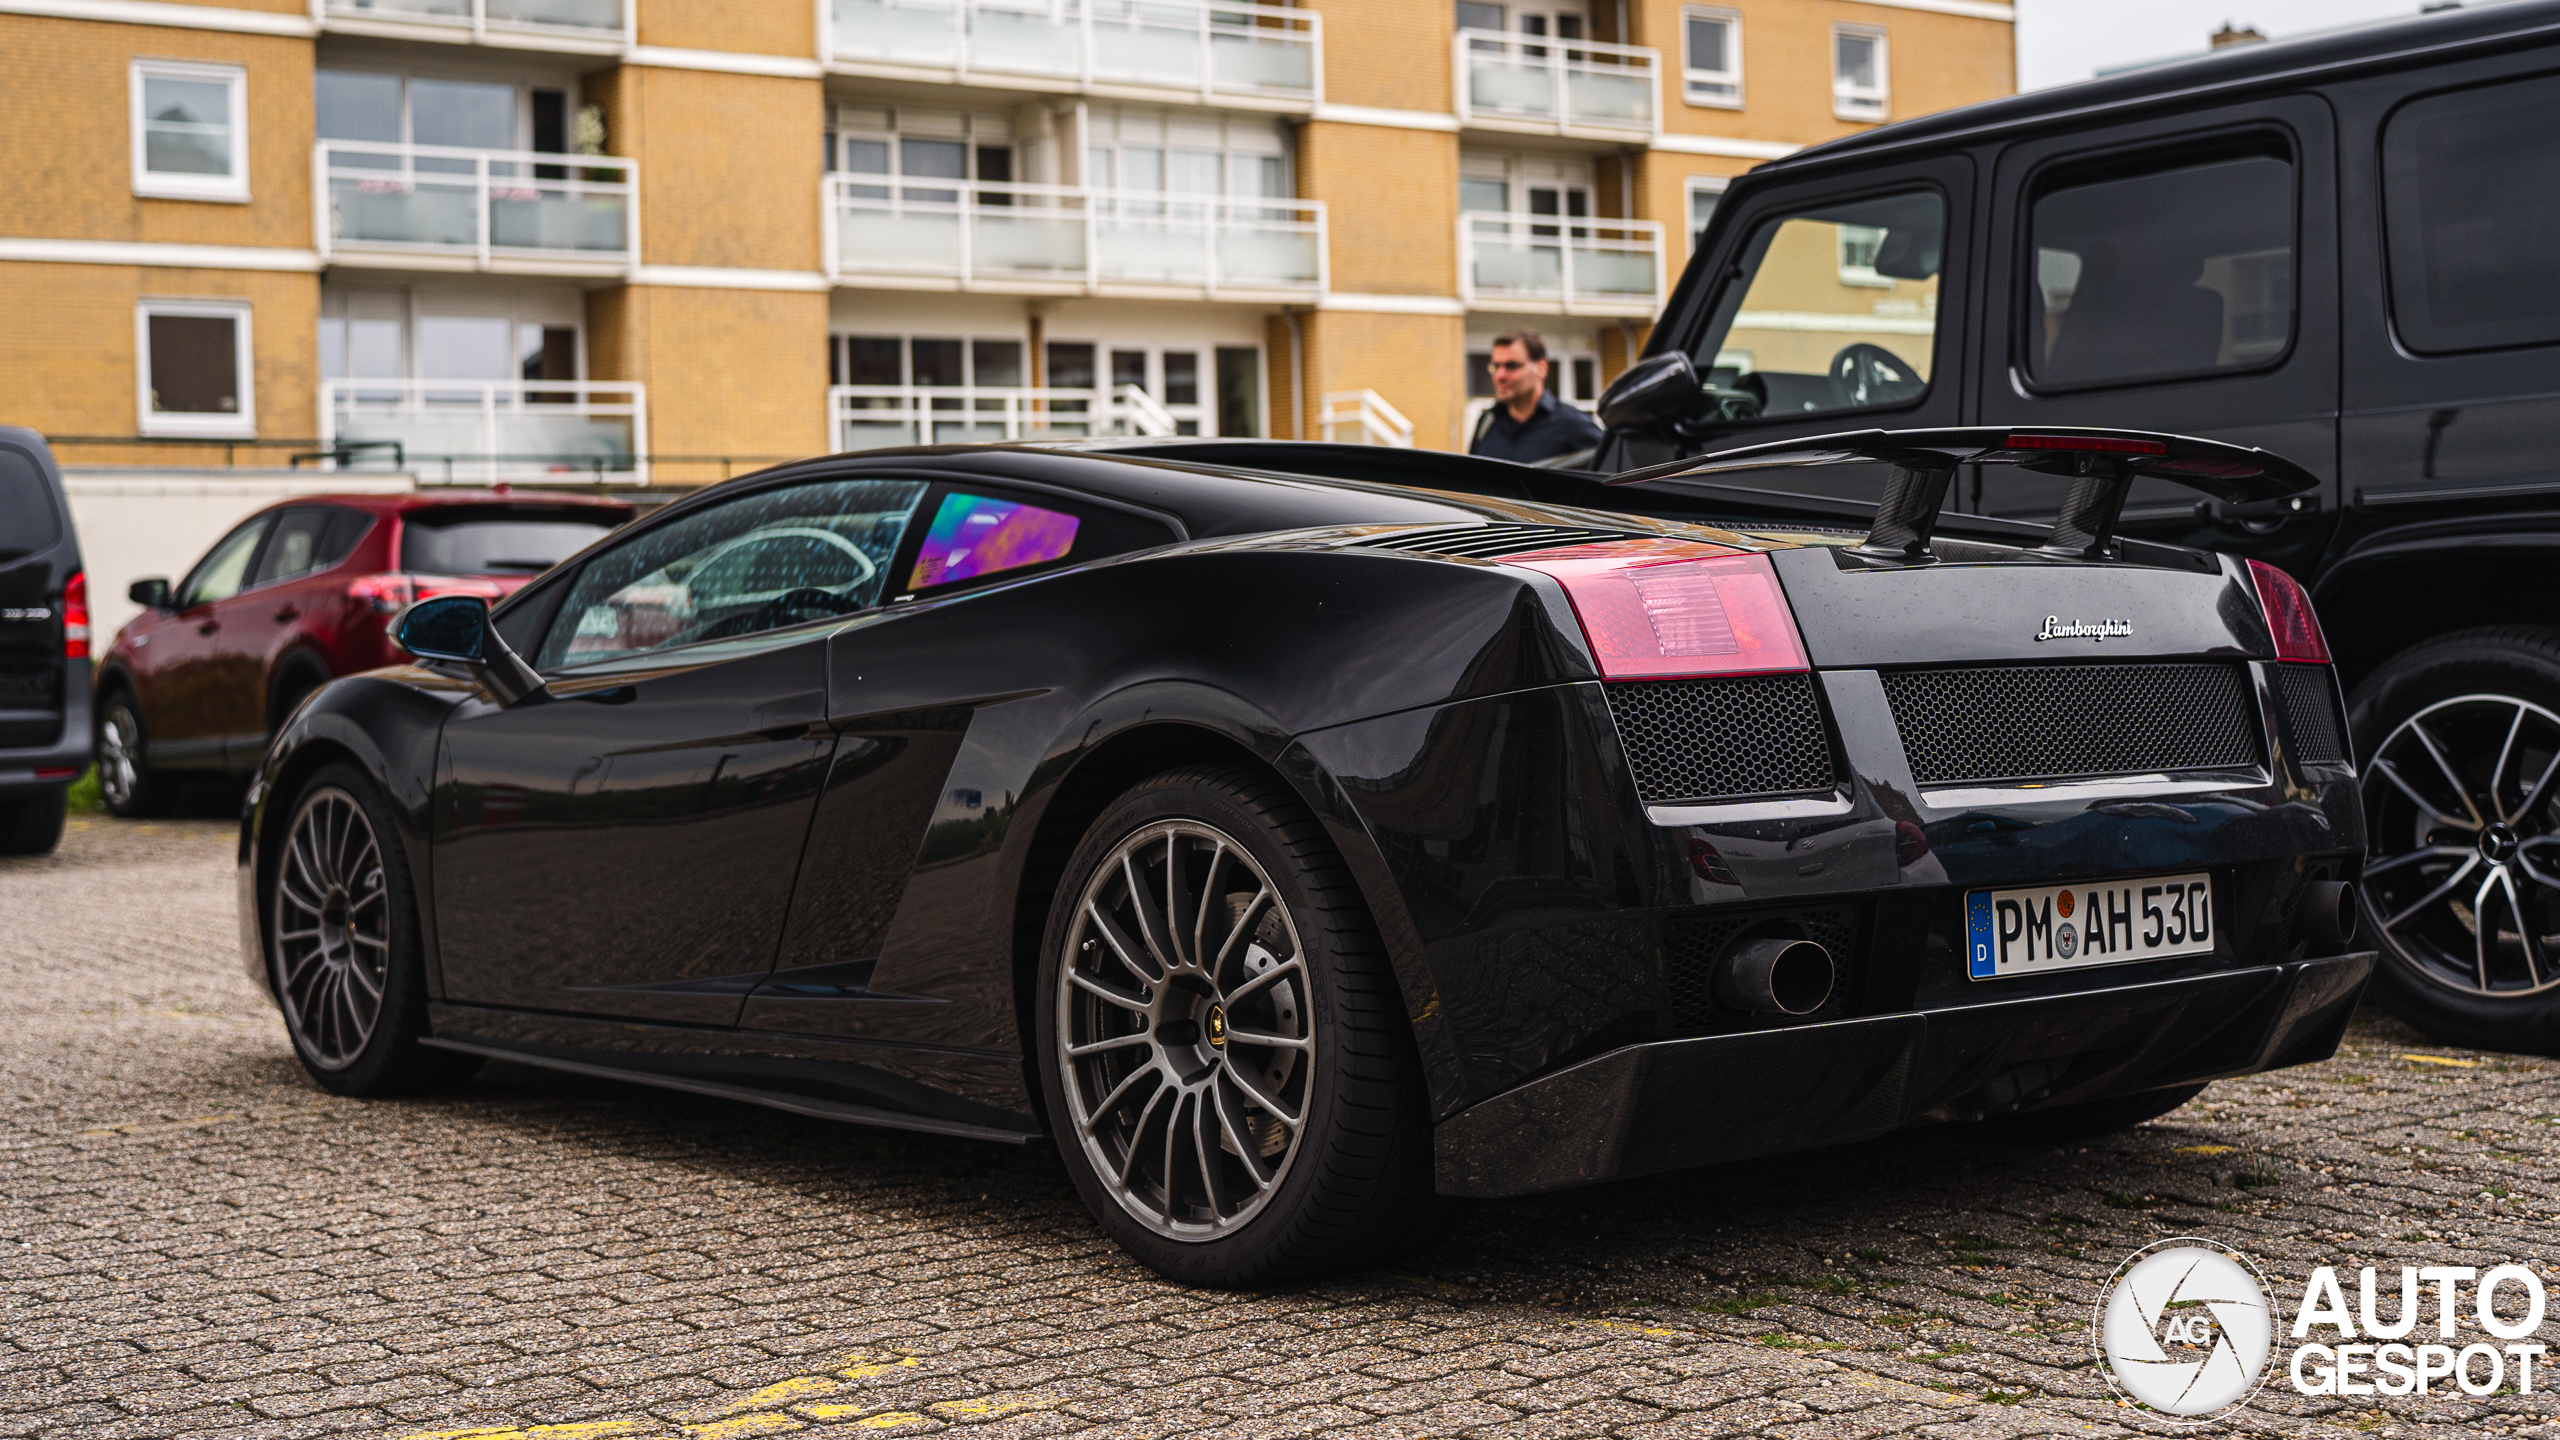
208,627
289,612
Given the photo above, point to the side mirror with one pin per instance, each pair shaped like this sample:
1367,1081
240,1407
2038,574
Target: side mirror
1657,390
151,594
454,630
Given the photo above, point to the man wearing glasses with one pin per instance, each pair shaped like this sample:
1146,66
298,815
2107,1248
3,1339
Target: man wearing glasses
1526,423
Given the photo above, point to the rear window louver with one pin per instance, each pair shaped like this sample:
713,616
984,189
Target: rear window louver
1479,542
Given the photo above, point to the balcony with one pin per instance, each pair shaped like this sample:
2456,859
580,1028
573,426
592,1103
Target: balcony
436,208
875,417
1541,86
598,27
1551,265
1065,240
481,431
1235,53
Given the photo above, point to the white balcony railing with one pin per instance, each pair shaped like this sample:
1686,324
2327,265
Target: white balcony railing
1227,50
1363,417
488,430
1560,265
493,207
874,417
1065,239
599,23
1534,82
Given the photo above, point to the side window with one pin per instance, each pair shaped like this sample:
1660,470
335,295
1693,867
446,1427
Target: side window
300,545
2471,198
2148,272
225,570
979,535
760,562
1837,310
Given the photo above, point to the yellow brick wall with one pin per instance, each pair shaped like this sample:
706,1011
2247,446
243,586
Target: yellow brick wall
66,110
739,373
759,27
67,363
728,164
1409,359
1935,61
1391,200
1394,54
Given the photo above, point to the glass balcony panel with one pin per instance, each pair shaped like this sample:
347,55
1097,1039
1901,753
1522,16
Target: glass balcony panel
1041,41
1249,62
1279,259
1516,267
1152,252
1030,243
1503,86
432,10
1147,54
1607,96
1613,274
403,211
915,32
552,218
603,15
873,239
873,435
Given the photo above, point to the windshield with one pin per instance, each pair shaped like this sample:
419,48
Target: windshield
496,546
1837,309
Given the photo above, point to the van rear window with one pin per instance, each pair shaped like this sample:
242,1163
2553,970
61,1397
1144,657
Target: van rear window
27,519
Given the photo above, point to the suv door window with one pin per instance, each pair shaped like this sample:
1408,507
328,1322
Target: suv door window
306,540
223,571
2471,198
760,562
981,535
2178,268
1837,309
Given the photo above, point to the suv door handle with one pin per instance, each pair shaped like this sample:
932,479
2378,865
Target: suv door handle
207,627
289,612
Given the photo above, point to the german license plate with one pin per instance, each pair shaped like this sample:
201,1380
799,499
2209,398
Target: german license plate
2071,927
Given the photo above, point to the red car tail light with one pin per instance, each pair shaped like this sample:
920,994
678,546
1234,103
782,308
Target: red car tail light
2289,616
1661,608
75,616
386,594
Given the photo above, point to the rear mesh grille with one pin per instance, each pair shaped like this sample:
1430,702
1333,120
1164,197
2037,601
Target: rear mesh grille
2053,722
1691,943
2312,726
1719,739
1484,541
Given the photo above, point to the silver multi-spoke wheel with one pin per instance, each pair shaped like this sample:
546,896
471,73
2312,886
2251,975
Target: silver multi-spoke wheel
2464,818
119,757
1186,1042
332,928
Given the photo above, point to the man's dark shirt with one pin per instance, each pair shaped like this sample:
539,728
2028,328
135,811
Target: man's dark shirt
1551,429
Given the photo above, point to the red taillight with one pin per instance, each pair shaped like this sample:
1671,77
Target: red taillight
386,594
1675,607
2099,444
75,616
2289,616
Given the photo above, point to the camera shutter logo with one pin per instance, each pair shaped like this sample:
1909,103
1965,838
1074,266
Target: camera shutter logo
2184,1327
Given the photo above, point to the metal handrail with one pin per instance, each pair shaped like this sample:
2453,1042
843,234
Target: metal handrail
1098,214
576,180
1016,412
1563,61
485,401
1378,422
1091,24
475,17
1567,237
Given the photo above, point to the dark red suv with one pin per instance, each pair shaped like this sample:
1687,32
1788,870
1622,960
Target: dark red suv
296,595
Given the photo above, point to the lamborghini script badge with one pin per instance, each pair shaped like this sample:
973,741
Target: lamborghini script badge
2057,628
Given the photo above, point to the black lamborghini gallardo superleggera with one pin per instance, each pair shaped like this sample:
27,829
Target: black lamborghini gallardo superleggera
1289,833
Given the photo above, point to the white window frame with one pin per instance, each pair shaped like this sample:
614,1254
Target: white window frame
240,425
1863,104
1698,185
1730,76
1855,274
232,188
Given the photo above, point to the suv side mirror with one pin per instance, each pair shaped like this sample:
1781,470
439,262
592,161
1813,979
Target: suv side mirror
151,594
1657,390
454,631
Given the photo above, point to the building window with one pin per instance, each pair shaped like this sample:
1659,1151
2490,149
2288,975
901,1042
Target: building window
190,130
1705,193
1858,247
1861,77
1711,57
193,368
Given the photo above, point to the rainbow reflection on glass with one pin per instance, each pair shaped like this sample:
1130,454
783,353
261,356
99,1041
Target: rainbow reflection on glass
976,535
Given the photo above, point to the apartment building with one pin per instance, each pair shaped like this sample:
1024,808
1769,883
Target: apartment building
671,239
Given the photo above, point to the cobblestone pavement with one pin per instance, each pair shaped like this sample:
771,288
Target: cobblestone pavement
195,1241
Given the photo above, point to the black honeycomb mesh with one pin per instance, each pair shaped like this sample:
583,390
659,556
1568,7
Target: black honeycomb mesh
1718,739
2313,729
1691,944
2050,722
1487,541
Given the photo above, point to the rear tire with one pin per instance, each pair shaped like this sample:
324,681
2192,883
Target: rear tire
1288,1142
32,824
131,788
2090,1118
343,954
2438,719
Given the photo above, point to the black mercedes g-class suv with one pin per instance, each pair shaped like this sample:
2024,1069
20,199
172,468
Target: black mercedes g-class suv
2344,249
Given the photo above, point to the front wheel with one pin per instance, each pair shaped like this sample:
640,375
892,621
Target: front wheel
2460,742
1222,1048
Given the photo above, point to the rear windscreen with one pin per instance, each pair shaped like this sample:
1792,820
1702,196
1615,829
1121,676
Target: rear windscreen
484,544
27,519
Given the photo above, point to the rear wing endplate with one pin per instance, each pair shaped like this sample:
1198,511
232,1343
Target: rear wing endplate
2100,466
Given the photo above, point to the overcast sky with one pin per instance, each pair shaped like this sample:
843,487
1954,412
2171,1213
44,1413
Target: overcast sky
2060,41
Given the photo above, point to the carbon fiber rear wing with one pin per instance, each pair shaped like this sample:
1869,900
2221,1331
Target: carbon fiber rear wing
2101,466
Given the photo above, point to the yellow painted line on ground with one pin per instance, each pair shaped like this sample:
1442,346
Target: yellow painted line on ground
583,1430
1918,1394
2206,1149
1636,1329
777,1409
2442,1060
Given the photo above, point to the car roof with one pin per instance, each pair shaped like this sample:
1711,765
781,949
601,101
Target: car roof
404,502
2386,45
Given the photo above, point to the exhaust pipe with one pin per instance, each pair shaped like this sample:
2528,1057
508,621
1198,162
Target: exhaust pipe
2327,914
1777,976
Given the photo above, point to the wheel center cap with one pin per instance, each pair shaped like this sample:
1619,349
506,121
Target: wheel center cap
1216,1027
2498,843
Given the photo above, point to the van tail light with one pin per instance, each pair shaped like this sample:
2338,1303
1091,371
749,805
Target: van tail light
385,594
2289,616
75,616
1655,609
